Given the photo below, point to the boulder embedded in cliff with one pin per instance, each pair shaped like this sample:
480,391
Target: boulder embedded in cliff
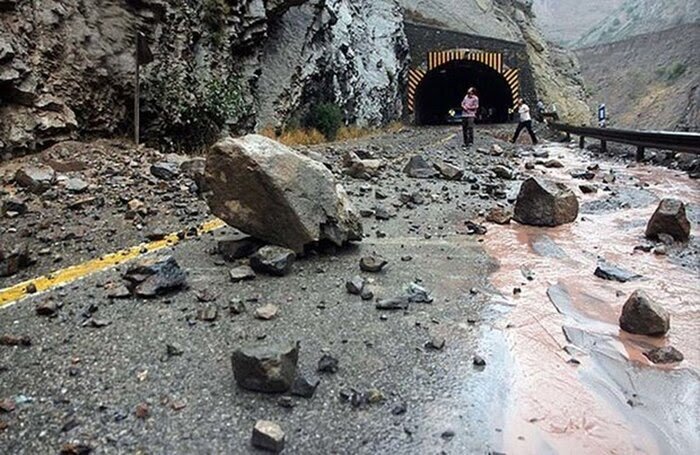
273,193
669,218
544,203
643,316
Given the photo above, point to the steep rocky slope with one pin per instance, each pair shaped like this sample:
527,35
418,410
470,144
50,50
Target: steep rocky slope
586,23
67,67
649,81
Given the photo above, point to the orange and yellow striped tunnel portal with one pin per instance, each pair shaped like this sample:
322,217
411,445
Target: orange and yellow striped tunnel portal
437,59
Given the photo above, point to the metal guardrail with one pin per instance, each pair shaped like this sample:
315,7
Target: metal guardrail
662,140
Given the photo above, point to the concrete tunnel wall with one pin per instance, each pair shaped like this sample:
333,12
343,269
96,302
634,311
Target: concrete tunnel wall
423,39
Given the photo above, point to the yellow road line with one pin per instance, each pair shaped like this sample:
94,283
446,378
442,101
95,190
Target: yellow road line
76,272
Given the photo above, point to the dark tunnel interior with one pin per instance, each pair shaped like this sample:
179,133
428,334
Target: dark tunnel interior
444,87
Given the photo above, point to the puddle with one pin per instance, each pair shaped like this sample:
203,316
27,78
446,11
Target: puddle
579,384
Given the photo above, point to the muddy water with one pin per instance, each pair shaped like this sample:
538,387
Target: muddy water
579,384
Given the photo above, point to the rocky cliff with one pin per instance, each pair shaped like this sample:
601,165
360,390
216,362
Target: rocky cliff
67,67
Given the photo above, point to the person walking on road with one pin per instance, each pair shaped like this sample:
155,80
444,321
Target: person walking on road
470,105
525,121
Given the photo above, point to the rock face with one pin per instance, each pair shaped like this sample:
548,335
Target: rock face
669,218
271,192
89,46
643,316
542,203
266,368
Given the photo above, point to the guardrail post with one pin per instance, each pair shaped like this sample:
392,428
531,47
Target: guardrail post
604,146
640,153
582,142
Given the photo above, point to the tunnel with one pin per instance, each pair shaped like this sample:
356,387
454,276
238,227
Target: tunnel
443,88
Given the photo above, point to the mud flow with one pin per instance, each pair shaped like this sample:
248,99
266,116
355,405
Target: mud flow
578,383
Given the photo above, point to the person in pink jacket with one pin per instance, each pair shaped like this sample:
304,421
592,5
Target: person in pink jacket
470,105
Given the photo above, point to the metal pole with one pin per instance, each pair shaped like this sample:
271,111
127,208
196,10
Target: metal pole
136,94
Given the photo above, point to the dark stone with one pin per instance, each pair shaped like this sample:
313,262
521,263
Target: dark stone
553,164
382,213
642,316
582,174
399,409
367,293
474,228
503,172
266,368
355,285
49,308
669,218
667,354
241,273
479,361
14,205
588,189
268,436
236,306
305,387
328,364
237,248
165,170
395,303
614,273
419,167
372,264
499,215
174,349
15,260
155,276
543,203
11,340
273,260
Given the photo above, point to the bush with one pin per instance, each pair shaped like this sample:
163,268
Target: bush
181,112
327,118
675,71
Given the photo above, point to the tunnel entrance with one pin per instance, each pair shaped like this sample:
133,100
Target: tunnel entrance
443,88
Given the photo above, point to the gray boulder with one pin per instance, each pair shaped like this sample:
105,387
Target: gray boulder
420,168
449,171
670,219
35,178
545,203
269,368
275,194
642,316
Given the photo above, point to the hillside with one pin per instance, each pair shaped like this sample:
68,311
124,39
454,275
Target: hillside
649,81
580,24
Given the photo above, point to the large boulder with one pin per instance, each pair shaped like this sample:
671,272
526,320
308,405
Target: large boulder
545,203
273,193
420,168
643,316
669,218
267,368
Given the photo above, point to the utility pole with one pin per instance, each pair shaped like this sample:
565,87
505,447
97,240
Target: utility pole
143,56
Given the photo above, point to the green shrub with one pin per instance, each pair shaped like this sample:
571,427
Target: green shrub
326,118
675,71
181,112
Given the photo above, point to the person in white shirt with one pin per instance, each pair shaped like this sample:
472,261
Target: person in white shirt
525,121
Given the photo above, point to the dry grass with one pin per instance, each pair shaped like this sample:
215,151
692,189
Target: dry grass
304,136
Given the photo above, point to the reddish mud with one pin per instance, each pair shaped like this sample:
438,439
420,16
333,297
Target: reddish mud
600,394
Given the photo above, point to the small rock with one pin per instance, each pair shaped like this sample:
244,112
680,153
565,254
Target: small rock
76,185
266,312
273,260
395,303
449,171
14,205
18,259
436,343
48,308
165,170
367,293
7,405
582,174
236,306
266,368
496,150
503,172
238,248
305,387
399,408
355,285
642,316
155,276
553,164
328,364
418,294
36,179
73,448
479,361
174,349
12,340
372,264
667,354
142,411
241,273
499,215
419,167
208,312
268,436
612,272
588,189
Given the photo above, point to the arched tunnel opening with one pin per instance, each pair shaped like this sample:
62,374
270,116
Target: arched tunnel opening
443,88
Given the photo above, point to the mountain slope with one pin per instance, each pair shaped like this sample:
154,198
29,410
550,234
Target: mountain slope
648,81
